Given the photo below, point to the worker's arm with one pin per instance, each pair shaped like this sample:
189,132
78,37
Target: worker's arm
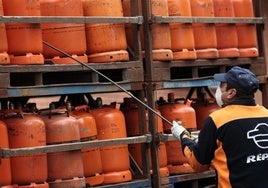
199,154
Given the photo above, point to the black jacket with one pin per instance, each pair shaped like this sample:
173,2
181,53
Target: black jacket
234,140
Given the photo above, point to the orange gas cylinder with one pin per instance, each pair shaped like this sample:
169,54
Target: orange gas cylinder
5,169
177,163
115,160
161,41
204,34
182,36
69,37
91,156
26,130
226,33
247,39
176,110
204,104
24,40
61,128
106,42
203,109
4,57
132,124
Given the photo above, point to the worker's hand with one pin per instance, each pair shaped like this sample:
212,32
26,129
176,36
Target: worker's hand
177,129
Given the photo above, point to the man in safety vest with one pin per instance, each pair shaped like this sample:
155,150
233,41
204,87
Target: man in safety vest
233,139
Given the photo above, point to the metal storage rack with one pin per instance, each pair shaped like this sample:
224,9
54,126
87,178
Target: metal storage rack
158,75
53,80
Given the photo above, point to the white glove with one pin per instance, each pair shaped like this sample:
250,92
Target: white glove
177,129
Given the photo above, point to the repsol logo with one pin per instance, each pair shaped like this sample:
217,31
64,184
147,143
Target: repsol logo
257,158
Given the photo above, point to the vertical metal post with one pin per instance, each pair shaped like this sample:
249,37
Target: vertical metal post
261,9
136,30
145,146
146,12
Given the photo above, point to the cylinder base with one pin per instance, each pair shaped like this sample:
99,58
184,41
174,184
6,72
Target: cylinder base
164,172
67,60
161,55
117,177
209,53
95,180
248,52
228,53
28,59
113,56
185,54
4,58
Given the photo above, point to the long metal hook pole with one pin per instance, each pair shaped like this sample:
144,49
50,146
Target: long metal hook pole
110,80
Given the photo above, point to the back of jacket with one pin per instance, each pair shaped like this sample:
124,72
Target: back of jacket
241,155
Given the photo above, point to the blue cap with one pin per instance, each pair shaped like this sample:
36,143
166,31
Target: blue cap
241,79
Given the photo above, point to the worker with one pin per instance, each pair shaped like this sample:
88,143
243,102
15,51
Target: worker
233,139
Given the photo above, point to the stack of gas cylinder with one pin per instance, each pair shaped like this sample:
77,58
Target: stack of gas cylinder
25,126
185,41
131,113
65,169
4,57
115,160
178,110
69,37
105,41
204,103
192,113
23,130
21,43
161,41
24,41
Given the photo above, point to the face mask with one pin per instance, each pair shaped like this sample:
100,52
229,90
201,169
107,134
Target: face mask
218,96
